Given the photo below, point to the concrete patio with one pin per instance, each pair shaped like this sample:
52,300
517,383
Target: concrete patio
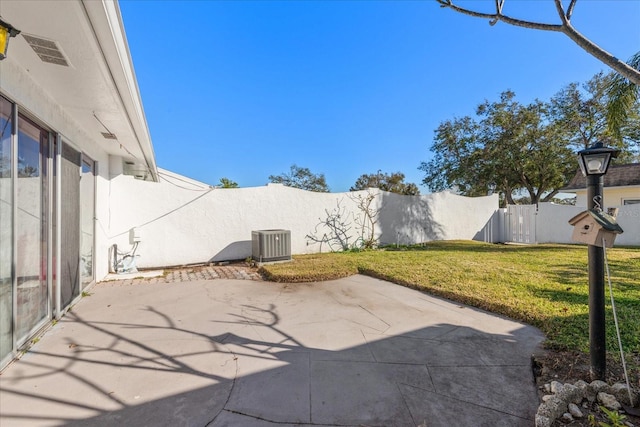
351,352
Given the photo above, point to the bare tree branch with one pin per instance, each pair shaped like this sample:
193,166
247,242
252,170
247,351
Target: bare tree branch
570,9
501,17
619,66
561,12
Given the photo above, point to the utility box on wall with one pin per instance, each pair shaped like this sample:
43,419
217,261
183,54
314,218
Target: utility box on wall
592,226
271,245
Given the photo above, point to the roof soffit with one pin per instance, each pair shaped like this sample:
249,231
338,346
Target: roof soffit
99,80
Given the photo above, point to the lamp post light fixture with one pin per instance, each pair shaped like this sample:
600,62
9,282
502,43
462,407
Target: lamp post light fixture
6,32
594,163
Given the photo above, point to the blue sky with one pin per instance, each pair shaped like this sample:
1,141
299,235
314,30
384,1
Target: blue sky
245,89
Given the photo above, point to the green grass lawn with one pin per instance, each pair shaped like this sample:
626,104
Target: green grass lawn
543,285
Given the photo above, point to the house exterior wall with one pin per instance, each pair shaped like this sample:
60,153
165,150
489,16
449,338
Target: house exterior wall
34,101
612,196
60,108
201,224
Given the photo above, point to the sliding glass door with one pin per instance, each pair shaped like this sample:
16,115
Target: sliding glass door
69,223
87,215
31,225
77,193
47,216
6,229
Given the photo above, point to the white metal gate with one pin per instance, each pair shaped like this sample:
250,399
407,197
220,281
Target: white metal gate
520,224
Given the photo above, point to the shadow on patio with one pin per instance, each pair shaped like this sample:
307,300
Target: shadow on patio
356,351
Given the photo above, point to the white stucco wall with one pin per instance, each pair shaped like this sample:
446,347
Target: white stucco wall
552,224
629,220
436,216
183,223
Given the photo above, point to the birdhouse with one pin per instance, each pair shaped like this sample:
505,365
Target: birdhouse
592,226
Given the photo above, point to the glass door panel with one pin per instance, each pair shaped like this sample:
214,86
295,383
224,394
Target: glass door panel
31,266
69,223
6,230
87,213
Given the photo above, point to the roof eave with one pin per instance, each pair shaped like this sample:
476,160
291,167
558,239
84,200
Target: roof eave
106,21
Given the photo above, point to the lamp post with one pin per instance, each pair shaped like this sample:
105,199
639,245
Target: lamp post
6,32
594,162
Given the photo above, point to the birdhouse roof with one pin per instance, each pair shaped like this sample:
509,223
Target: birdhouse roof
606,221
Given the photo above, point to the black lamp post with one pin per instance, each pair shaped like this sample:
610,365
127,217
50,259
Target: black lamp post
6,32
594,162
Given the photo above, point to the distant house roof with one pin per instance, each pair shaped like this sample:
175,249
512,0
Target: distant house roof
617,176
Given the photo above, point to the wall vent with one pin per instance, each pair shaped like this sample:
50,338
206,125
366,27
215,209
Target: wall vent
138,171
271,245
47,50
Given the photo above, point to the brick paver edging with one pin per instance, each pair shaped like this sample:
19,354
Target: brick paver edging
206,272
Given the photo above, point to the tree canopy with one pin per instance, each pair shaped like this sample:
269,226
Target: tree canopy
393,182
301,178
583,111
515,149
227,183
510,147
623,88
624,96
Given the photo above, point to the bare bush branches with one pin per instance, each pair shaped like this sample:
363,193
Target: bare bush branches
344,230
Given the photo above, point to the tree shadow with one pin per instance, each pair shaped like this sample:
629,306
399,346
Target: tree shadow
406,220
261,361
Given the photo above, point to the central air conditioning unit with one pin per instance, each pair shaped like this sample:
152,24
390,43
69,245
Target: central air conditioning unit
271,245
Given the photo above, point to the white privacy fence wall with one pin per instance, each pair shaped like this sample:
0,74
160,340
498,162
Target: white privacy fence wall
181,221
552,224
549,223
186,222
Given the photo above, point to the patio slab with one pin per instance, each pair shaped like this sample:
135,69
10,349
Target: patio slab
350,352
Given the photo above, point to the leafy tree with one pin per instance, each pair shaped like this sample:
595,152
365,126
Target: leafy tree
628,72
582,112
393,183
301,178
568,201
623,88
25,170
623,102
510,148
227,183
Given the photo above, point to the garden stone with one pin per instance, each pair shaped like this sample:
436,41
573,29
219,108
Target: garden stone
567,417
555,386
575,411
583,387
621,392
542,421
609,401
599,386
546,397
553,408
547,388
570,393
